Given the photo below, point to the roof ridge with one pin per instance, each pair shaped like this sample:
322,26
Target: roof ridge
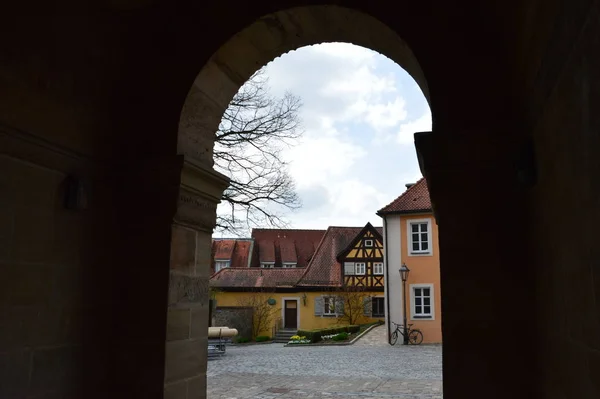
408,190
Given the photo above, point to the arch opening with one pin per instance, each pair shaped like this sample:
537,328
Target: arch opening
259,44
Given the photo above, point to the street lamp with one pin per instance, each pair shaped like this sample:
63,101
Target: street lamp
404,276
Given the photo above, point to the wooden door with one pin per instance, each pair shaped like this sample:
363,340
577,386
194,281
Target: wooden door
291,314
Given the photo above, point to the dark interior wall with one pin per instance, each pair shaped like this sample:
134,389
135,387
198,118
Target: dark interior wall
98,94
564,205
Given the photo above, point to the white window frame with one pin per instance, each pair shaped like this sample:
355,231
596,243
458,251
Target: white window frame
369,243
414,316
267,265
356,268
326,299
221,264
410,251
375,269
289,265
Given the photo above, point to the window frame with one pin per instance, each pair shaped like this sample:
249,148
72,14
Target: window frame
369,243
382,269
410,251
226,262
413,315
382,314
364,268
326,299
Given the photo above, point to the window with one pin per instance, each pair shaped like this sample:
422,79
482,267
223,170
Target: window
377,309
360,268
329,305
378,268
422,301
348,268
265,265
419,237
368,243
289,265
221,264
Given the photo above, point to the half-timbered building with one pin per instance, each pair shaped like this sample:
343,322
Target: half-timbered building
306,274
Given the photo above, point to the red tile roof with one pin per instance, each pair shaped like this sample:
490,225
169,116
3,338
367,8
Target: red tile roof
288,245
324,269
236,251
256,278
323,246
287,251
414,199
266,251
241,255
223,249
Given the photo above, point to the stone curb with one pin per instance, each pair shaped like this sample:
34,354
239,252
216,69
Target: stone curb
340,343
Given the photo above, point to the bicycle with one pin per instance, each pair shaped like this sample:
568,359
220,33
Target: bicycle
415,336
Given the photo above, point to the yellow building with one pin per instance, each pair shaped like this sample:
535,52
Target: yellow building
411,238
309,279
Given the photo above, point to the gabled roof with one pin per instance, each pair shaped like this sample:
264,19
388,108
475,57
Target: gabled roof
223,249
368,227
322,246
325,269
236,251
254,277
415,199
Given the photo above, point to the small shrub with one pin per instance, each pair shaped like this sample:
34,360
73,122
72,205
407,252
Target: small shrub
317,335
341,336
242,340
262,338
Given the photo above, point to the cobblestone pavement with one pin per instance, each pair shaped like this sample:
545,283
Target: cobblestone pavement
368,369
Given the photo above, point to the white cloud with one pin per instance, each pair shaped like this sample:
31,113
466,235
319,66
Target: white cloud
407,130
320,158
356,103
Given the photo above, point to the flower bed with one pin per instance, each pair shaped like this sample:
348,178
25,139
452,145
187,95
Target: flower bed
315,336
298,340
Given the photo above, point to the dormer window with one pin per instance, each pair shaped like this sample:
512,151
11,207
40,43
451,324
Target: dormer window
368,243
221,264
289,265
267,265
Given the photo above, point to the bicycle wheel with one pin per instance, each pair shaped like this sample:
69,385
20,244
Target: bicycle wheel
394,338
415,337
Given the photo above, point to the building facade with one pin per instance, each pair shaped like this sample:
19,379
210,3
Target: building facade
410,235
311,278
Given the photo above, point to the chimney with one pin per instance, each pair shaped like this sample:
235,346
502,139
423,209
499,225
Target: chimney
409,185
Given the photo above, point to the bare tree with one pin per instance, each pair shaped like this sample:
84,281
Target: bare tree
255,128
263,314
353,300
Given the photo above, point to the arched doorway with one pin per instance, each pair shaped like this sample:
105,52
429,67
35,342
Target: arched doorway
216,84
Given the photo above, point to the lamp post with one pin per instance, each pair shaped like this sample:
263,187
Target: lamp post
404,276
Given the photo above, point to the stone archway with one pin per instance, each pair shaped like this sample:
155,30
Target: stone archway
266,39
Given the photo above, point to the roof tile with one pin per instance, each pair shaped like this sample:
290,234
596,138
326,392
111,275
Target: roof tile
414,199
256,278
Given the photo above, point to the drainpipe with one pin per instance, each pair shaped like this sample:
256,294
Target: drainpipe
387,276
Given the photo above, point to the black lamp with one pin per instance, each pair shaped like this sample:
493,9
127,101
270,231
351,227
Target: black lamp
404,271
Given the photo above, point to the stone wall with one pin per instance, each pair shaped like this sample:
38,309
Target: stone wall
235,317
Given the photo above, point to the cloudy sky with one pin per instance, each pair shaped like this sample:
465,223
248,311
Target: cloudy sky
359,112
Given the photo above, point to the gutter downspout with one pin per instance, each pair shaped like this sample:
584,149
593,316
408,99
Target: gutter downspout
387,277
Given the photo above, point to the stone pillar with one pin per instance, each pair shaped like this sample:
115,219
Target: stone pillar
487,283
188,301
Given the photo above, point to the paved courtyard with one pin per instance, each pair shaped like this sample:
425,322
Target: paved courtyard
368,369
